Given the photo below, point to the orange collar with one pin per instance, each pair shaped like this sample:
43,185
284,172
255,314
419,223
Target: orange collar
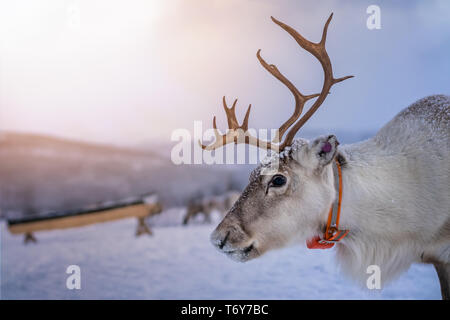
332,233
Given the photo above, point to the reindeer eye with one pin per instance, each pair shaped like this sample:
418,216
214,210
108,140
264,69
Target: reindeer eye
278,181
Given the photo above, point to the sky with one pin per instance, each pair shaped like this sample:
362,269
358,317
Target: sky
130,72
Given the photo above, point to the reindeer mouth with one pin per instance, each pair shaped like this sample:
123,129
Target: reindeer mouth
236,246
242,254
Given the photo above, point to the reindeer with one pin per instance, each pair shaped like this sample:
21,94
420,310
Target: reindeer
384,201
206,205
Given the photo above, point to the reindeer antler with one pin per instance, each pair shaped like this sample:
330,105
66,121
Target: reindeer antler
239,134
300,99
236,133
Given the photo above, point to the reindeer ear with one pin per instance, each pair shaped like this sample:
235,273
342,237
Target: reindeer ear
324,149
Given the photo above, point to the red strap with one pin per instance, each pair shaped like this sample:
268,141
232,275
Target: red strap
332,233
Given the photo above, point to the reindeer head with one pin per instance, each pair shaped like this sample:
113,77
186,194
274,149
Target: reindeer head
289,203
283,206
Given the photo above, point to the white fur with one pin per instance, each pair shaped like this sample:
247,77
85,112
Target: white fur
396,197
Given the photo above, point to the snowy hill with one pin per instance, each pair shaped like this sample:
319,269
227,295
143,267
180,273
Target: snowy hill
40,174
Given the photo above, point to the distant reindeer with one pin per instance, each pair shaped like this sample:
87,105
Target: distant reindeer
206,205
393,190
194,208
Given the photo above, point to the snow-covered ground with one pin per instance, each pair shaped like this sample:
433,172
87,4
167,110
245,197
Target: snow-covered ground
179,263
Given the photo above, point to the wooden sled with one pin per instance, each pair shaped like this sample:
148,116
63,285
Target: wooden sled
140,208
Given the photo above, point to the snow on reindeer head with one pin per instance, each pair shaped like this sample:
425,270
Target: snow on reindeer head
287,204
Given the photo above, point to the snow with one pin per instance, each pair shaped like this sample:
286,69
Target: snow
179,263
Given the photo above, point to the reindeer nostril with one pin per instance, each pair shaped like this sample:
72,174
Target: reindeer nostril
222,243
248,249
